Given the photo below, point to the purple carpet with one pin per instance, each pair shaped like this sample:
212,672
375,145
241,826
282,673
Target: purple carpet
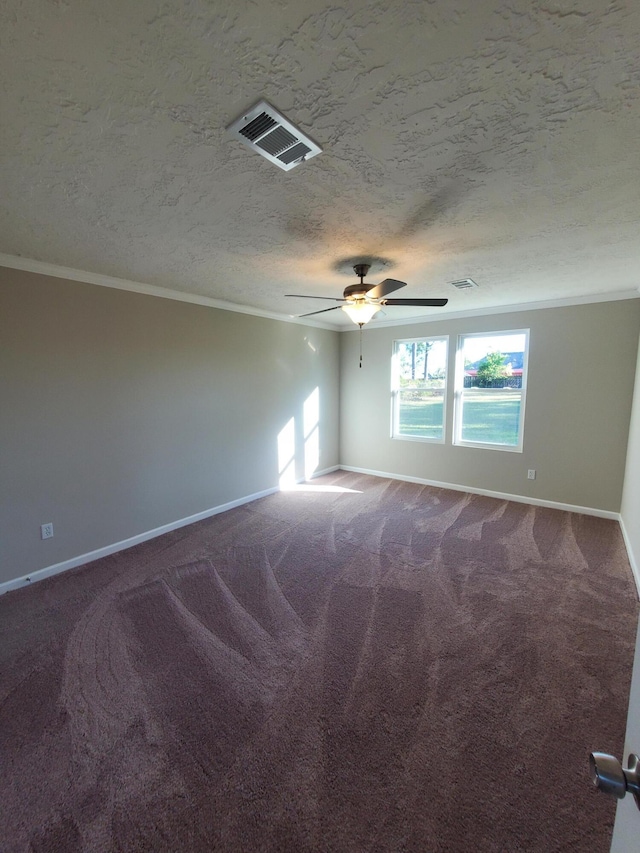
391,668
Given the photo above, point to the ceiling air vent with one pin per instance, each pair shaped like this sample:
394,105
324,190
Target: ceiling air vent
464,283
271,135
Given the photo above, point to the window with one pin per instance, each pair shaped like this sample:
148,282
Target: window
491,375
418,391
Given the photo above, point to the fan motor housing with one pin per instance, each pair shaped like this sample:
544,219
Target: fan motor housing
355,290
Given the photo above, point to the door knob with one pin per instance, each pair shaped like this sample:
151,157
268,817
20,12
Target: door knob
610,777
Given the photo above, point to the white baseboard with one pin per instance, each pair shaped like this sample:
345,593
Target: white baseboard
74,562
324,471
585,510
635,568
89,557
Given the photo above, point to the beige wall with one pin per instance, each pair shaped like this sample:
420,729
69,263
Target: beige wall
121,412
581,373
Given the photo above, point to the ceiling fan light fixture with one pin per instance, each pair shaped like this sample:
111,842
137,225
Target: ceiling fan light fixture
362,300
360,311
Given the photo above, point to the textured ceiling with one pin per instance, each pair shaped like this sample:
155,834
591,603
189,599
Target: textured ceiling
496,140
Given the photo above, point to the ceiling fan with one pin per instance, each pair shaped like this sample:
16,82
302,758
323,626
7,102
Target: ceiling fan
362,301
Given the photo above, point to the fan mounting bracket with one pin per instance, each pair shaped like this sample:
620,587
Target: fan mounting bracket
361,269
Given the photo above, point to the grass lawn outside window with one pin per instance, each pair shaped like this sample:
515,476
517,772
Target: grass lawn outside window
491,416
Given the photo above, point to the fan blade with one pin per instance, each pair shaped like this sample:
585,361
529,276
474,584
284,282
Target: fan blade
436,303
303,296
324,311
386,286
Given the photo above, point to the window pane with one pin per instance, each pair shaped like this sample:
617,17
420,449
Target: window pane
420,371
420,413
491,398
491,416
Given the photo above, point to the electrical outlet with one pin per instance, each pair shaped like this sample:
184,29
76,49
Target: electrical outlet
46,530
531,474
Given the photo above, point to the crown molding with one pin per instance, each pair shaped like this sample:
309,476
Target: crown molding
45,268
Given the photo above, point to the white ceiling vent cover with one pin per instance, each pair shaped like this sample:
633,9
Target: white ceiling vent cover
271,135
464,283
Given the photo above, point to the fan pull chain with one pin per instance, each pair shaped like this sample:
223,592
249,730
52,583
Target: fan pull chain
360,324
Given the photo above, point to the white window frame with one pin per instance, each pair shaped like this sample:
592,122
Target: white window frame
459,388
395,388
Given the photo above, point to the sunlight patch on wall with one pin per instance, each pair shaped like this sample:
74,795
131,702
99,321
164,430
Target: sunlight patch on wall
311,423
287,455
299,444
